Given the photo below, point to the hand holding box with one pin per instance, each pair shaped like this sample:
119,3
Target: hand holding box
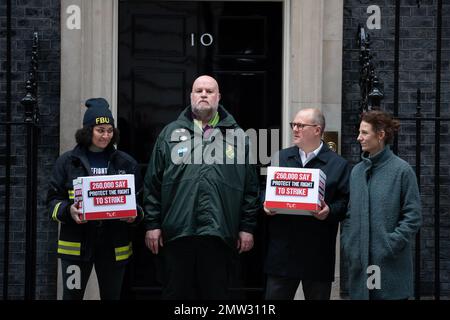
105,197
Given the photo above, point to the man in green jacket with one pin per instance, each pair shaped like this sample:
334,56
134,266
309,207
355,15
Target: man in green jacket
200,197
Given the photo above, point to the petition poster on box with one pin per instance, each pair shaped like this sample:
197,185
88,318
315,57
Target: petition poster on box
105,197
295,191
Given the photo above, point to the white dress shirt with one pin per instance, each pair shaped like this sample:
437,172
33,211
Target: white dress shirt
308,157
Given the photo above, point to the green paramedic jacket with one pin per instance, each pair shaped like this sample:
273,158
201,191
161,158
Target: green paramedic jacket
197,186
76,241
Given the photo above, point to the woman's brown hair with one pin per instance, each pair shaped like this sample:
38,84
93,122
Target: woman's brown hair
382,121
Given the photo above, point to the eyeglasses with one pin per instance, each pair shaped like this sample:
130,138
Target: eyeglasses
301,126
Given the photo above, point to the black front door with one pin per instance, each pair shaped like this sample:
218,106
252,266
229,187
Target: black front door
163,47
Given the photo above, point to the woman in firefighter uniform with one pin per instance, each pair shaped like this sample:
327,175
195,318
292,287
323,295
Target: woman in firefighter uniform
105,244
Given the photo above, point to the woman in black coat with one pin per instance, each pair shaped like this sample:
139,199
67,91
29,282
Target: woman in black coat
81,244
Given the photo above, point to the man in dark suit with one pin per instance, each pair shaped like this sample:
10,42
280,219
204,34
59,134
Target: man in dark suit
303,248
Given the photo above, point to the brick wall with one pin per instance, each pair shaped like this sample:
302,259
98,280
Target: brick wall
30,16
417,69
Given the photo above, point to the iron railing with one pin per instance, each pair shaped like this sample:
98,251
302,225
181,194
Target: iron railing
30,122
371,95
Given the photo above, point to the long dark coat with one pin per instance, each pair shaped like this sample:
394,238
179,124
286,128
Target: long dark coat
304,247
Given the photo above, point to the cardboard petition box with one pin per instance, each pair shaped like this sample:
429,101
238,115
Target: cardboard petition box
105,197
295,191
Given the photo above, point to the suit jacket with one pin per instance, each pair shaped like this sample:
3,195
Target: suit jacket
304,247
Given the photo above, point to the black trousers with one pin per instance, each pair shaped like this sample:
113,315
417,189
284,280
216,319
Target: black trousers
76,275
196,268
283,288
110,273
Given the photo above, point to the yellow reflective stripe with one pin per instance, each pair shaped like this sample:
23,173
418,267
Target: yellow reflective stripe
55,212
69,244
68,247
71,194
123,257
122,249
123,253
71,252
